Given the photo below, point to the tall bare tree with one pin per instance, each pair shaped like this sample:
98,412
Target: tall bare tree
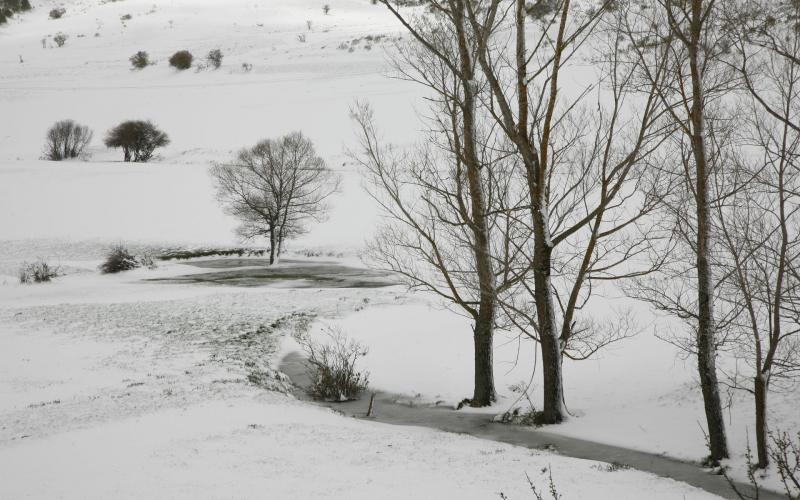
579,166
583,165
275,188
685,38
443,198
760,224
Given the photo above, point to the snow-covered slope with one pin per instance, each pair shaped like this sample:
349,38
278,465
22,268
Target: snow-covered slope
305,85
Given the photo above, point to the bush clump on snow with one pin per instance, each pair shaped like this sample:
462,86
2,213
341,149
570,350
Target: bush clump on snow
38,272
60,39
181,60
58,13
66,139
140,60
332,367
138,140
214,58
119,259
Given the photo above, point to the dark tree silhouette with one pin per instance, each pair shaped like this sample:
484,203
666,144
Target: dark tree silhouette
138,140
66,139
275,187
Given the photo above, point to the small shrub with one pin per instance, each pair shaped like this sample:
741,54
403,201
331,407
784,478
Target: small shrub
332,367
66,139
58,13
214,58
3,16
60,39
147,259
140,60
118,259
301,38
38,272
247,67
138,140
326,9
126,17
181,60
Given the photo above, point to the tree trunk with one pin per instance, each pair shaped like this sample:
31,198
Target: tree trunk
706,328
484,393
127,152
272,245
762,448
553,408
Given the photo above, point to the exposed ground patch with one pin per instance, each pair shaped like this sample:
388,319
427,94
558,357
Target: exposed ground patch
289,273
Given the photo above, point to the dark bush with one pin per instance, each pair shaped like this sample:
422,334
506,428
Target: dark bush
38,272
118,260
181,60
138,140
332,367
58,13
140,60
214,58
16,5
9,7
60,39
65,140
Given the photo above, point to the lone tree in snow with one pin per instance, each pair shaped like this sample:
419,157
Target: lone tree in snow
274,187
138,140
66,139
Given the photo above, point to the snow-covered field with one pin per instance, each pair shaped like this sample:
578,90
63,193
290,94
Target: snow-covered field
112,387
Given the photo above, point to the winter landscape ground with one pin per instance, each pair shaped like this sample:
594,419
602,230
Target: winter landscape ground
166,383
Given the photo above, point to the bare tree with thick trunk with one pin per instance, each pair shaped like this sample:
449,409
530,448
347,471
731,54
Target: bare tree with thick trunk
581,169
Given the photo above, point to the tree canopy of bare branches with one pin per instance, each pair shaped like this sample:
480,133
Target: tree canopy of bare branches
66,140
275,188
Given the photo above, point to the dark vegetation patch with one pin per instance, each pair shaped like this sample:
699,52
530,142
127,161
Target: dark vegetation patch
254,272
183,254
10,7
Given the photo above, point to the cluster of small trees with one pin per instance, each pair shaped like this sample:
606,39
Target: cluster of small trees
138,140
671,176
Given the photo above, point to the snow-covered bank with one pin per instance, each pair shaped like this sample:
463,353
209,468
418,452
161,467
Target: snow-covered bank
640,393
131,397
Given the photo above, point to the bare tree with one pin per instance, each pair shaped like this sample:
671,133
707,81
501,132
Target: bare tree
66,139
684,38
760,223
581,169
443,241
275,188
